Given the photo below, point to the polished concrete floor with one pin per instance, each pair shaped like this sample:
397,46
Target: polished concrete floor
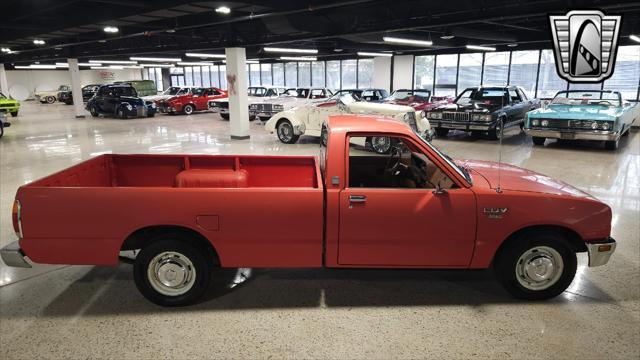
94,312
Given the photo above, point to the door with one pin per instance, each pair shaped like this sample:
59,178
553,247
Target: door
392,215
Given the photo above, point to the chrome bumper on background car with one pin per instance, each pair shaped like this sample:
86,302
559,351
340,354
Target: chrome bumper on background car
462,125
574,134
13,256
600,252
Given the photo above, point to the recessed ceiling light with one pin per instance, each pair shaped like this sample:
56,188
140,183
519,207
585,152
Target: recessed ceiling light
102,41
290,50
223,10
158,65
6,50
365,53
111,29
155,59
192,63
337,50
411,42
38,42
113,61
482,48
635,38
447,37
171,31
299,58
42,66
203,55
512,45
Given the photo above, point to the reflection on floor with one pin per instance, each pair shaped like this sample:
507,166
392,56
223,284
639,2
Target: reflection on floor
84,311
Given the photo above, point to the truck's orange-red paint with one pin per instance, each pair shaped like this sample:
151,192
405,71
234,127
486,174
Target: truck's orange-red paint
268,211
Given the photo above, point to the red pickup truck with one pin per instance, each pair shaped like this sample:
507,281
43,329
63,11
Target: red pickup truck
413,207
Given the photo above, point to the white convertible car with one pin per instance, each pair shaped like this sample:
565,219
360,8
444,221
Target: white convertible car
308,119
293,97
257,94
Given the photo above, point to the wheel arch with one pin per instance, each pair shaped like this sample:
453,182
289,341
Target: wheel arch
144,236
574,240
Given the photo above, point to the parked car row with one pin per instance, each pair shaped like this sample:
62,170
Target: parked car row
64,93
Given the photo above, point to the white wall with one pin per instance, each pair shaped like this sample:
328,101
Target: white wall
382,73
34,80
403,72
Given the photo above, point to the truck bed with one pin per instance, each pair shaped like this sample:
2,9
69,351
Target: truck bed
84,214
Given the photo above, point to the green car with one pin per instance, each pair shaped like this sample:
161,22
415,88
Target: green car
9,105
143,87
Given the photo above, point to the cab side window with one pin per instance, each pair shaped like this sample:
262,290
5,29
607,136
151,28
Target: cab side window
514,96
392,162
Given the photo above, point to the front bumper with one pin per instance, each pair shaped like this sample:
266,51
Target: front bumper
462,125
13,256
597,135
600,251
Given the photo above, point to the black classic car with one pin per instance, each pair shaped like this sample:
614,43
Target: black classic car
87,93
120,100
490,109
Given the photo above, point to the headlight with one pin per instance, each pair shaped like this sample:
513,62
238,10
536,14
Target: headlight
486,117
544,123
406,117
278,107
129,107
435,115
605,125
594,125
253,106
535,122
475,117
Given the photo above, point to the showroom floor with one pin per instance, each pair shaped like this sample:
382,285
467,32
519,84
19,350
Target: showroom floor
81,312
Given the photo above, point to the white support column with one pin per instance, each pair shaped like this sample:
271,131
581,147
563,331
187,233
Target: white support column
237,87
4,84
76,88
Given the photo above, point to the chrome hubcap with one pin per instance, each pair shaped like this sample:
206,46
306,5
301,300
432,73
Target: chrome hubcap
171,273
285,132
381,144
539,268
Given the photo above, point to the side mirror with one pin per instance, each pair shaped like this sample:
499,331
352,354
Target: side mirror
439,190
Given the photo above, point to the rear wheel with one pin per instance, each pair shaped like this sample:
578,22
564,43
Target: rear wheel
121,114
225,116
536,265
496,132
441,132
188,109
14,113
50,99
285,132
172,271
94,111
538,140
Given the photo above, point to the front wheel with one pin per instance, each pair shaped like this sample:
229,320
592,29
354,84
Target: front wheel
1,129
441,132
50,99
120,114
611,145
188,109
286,133
14,113
496,132
536,266
324,136
94,111
172,272
538,140
225,116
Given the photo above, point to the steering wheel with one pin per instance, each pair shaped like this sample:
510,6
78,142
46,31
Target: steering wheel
394,161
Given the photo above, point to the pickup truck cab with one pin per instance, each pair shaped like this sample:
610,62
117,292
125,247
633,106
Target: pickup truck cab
349,208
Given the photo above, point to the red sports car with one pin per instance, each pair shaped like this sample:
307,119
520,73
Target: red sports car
419,99
197,100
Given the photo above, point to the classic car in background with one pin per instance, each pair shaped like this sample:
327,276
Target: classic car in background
120,100
9,105
491,109
418,99
168,93
3,123
143,87
87,93
293,97
307,119
365,94
49,97
197,99
256,94
583,115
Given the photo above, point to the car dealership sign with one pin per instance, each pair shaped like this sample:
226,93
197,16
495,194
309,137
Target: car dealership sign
585,44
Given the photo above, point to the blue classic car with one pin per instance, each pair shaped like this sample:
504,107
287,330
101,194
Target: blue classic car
583,115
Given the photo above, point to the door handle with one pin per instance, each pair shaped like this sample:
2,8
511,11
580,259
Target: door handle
357,199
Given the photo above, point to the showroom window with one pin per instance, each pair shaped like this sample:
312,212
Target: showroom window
524,69
317,74
469,71
496,68
446,75
215,76
188,76
159,85
365,73
291,74
626,77
197,76
265,74
549,83
177,76
423,72
254,74
304,73
223,76
349,74
206,76
145,74
278,74
333,74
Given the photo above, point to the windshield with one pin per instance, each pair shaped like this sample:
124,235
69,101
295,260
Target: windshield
64,88
604,98
487,96
406,94
174,91
460,170
124,91
347,99
257,91
299,93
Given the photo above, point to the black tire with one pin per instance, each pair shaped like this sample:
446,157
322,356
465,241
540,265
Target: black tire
476,134
187,260
284,129
50,99
14,114
537,140
496,132
252,117
225,116
441,132
534,246
1,129
611,145
94,111
324,136
264,118
120,114
150,115
188,109
381,144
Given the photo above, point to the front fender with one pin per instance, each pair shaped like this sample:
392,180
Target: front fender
270,125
